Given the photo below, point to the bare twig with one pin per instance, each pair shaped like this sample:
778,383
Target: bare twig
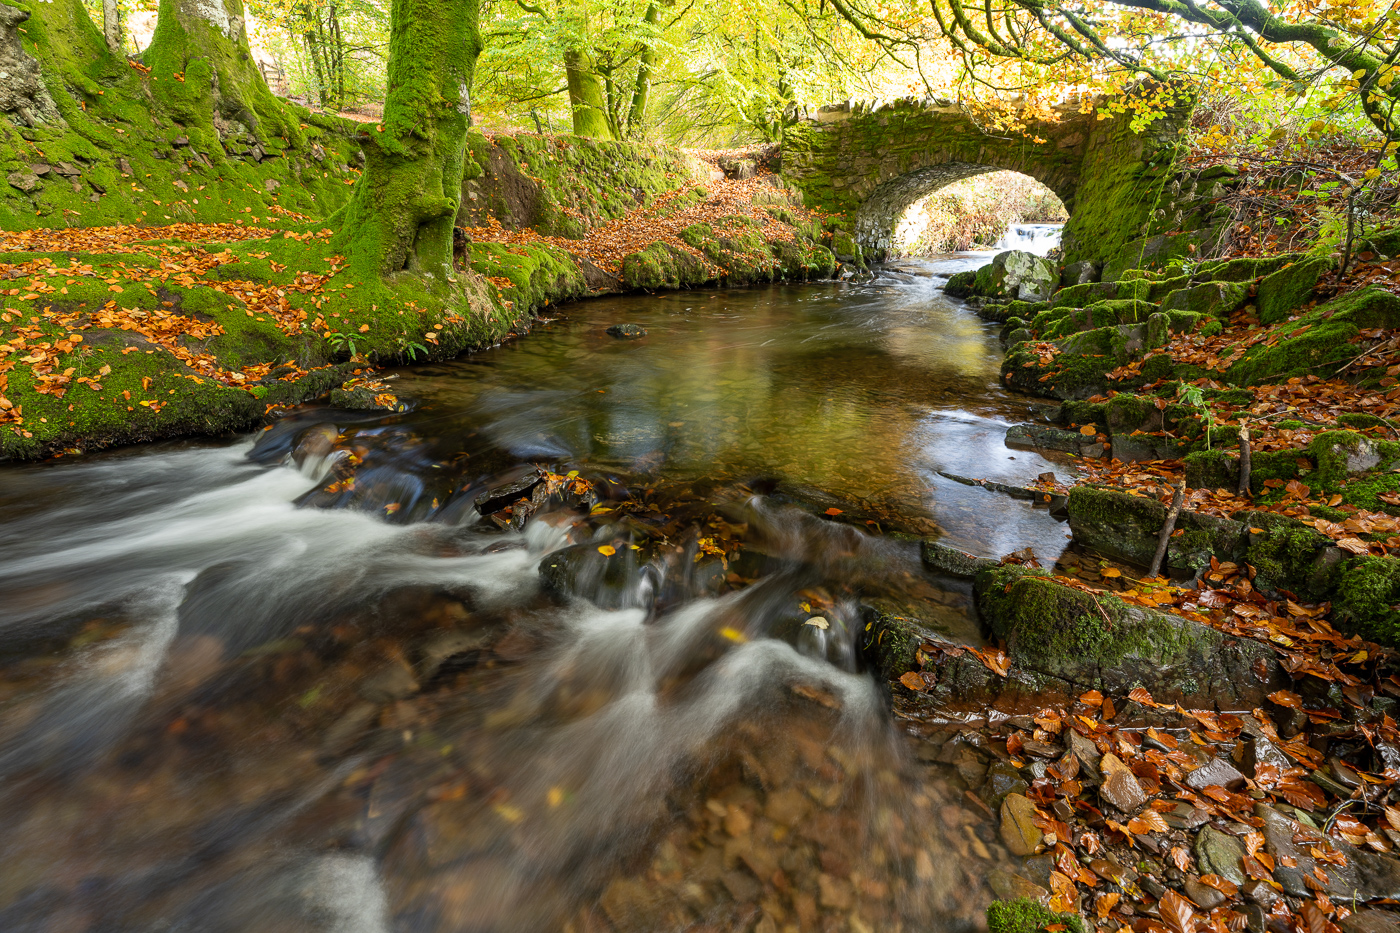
1243,488
1167,528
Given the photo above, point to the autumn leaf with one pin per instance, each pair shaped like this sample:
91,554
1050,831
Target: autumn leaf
1176,912
912,680
833,511
607,550
1140,695
1149,821
1287,698
1088,430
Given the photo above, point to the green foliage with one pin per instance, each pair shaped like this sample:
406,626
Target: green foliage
1192,396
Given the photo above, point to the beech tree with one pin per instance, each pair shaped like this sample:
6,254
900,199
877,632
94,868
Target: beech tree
400,215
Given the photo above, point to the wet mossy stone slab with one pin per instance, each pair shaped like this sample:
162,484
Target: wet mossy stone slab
1318,343
893,630
1045,437
1290,557
1080,296
948,561
1282,293
1096,640
1218,299
1241,270
1127,527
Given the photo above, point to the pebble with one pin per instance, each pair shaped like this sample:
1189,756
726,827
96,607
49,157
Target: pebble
1216,773
1018,829
1221,854
1203,895
1122,790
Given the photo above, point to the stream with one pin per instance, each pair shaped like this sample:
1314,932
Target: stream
576,643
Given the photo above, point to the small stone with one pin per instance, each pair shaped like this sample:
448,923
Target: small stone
180,141
24,181
1122,790
970,765
66,168
1260,892
1039,749
1216,773
1018,829
41,168
392,682
1111,871
1254,919
627,331
737,822
787,807
1087,752
124,166
1220,854
1185,816
1009,887
1203,895
1092,451
1259,751
835,894
271,185
1002,778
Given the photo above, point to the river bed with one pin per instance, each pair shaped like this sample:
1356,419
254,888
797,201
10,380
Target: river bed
299,682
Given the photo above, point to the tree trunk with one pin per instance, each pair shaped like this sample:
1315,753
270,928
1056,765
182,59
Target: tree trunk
112,26
203,71
637,116
586,96
400,215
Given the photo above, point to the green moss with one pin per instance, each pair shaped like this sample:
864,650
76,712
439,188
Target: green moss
1289,556
1219,469
1367,599
1340,454
1239,270
1285,291
1358,420
1027,916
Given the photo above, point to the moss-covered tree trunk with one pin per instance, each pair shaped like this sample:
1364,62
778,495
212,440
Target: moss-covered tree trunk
586,96
641,92
400,217
203,71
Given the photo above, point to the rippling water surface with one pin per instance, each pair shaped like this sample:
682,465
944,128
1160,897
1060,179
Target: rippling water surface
302,682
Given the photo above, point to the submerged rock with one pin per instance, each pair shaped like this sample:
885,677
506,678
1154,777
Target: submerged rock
627,331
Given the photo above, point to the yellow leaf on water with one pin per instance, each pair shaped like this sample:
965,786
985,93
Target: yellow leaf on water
733,635
555,796
509,813
607,550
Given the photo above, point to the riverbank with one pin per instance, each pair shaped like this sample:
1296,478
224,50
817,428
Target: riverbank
113,335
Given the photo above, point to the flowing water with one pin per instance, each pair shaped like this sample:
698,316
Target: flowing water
577,643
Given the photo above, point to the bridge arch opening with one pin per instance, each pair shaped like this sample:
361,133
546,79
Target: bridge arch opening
951,207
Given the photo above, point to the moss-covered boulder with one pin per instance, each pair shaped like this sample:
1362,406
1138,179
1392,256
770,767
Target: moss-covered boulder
1368,598
1339,456
1290,557
1245,269
1017,274
1283,292
1318,343
1097,640
1217,299
1127,527
1079,296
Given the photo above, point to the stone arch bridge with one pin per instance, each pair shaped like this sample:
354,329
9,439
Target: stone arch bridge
870,162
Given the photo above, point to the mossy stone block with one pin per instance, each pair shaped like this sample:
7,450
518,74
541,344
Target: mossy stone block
1283,292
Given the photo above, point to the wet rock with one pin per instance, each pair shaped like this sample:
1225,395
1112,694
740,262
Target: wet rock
629,904
1366,875
627,331
1109,870
1203,895
1220,854
1044,437
1084,749
834,893
1254,919
507,488
1121,789
346,730
1216,773
441,646
1017,274
315,443
1002,778
1018,829
394,681
787,807
951,562
1371,921
970,765
1009,887
1260,751
1260,892
1186,817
